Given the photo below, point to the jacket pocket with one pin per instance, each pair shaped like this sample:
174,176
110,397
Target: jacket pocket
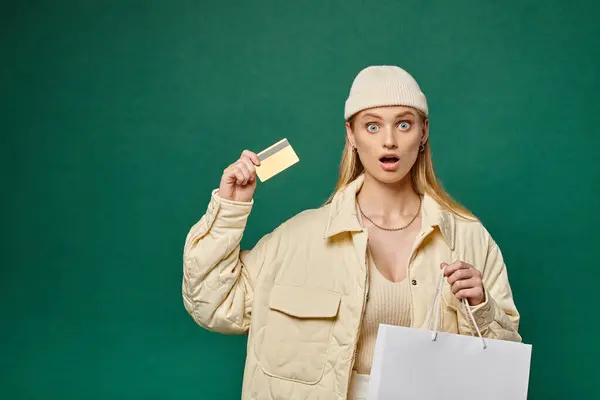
298,332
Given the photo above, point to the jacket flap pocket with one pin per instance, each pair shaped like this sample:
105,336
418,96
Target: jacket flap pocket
304,302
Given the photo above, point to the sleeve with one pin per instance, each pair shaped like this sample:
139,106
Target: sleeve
497,317
218,277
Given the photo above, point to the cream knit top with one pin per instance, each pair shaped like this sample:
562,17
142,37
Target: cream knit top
388,303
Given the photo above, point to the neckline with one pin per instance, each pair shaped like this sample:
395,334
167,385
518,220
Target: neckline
378,272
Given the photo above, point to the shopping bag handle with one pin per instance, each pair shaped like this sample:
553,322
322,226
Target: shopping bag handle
436,306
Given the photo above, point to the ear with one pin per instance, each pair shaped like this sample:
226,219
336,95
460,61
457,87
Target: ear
425,136
350,135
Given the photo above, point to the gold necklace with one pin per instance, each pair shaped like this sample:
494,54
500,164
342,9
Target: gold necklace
393,229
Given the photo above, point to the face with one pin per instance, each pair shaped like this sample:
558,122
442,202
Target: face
388,140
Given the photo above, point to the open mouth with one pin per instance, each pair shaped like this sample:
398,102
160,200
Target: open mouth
389,159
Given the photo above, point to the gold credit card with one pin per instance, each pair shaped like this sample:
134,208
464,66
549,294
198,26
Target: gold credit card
275,159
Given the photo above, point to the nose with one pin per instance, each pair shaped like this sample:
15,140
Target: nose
389,139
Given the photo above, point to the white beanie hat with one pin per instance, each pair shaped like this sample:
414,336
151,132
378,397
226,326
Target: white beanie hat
384,85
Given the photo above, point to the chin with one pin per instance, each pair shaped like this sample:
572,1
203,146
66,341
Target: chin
390,177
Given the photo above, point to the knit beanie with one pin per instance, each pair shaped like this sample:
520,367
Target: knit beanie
384,85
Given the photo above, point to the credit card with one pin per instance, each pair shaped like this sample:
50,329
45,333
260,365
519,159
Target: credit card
275,159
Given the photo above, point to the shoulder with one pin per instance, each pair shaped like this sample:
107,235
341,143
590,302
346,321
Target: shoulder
459,226
308,221
472,231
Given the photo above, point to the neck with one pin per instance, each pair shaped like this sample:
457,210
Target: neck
393,201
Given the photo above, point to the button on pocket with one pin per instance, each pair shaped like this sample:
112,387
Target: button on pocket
298,332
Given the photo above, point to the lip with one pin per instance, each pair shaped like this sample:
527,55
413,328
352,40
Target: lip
389,166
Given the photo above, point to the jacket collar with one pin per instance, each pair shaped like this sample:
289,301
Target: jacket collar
343,216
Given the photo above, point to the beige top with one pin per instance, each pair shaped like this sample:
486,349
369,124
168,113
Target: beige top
388,303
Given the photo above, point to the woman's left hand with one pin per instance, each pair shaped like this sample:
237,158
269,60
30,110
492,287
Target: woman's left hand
466,282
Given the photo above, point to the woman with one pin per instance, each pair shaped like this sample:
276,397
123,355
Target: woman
312,293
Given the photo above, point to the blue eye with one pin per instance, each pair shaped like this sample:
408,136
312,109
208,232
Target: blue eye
404,125
372,128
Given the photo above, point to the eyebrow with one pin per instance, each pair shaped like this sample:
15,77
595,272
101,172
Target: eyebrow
402,114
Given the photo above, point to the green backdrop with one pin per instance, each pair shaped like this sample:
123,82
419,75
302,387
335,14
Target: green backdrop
118,117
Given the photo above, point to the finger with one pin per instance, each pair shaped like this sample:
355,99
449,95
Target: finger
249,167
244,170
229,173
472,293
455,266
252,156
229,169
465,284
461,274
239,177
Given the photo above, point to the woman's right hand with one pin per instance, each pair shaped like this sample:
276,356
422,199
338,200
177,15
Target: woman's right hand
239,179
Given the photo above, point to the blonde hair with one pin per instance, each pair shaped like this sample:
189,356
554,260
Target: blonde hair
422,175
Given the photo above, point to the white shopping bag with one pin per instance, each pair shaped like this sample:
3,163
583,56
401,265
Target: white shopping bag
411,363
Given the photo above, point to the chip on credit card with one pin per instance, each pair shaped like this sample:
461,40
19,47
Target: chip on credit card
275,159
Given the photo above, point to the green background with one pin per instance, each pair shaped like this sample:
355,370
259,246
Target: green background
118,117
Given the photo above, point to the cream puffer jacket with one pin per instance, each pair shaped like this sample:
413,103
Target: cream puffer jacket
301,291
